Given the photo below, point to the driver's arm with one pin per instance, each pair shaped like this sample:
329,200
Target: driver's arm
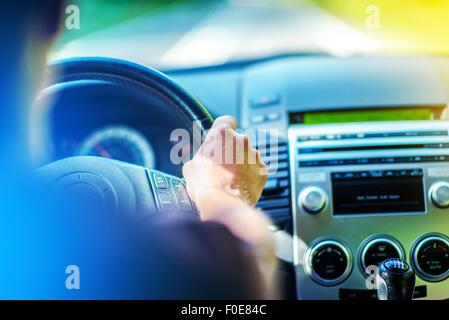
225,190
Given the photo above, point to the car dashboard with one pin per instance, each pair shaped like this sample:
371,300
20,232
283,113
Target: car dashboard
342,195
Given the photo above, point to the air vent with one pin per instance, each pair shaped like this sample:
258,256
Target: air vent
275,200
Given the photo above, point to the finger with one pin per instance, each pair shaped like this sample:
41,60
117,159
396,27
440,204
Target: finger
242,140
258,157
226,122
241,148
186,169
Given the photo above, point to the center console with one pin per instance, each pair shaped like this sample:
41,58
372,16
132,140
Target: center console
365,192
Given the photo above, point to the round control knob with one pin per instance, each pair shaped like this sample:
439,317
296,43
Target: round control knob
430,257
312,199
377,250
439,193
328,262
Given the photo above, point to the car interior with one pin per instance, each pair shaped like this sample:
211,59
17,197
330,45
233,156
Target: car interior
357,145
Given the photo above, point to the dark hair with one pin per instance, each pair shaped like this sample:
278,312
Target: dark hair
19,21
43,15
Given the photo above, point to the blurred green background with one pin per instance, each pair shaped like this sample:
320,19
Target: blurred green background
406,26
100,14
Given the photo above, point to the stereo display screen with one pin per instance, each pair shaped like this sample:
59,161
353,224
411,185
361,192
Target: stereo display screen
379,191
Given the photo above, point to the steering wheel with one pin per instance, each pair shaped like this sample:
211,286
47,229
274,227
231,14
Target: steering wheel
111,184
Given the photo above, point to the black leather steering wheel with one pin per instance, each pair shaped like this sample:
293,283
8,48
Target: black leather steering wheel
148,81
113,184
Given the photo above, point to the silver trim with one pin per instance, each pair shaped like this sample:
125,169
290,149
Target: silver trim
414,257
370,241
309,267
304,193
353,230
433,196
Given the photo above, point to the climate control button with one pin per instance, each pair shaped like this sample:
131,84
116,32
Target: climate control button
431,258
377,250
329,262
312,199
439,193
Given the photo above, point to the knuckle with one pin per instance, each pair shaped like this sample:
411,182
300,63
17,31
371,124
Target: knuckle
222,131
226,121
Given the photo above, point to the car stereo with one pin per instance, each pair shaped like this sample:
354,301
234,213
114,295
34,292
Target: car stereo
365,192
377,191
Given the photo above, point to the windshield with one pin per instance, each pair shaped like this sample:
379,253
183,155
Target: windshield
190,33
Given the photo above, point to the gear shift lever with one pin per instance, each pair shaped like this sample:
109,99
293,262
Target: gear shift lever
395,280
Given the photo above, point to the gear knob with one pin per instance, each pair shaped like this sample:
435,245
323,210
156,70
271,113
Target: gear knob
395,280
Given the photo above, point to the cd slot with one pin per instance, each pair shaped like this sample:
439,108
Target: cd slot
363,135
381,160
374,147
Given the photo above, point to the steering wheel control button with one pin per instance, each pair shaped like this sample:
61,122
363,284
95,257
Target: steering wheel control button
159,181
328,262
170,193
377,250
312,200
439,194
181,195
431,258
166,201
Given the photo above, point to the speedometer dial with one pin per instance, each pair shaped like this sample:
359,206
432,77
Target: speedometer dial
120,143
